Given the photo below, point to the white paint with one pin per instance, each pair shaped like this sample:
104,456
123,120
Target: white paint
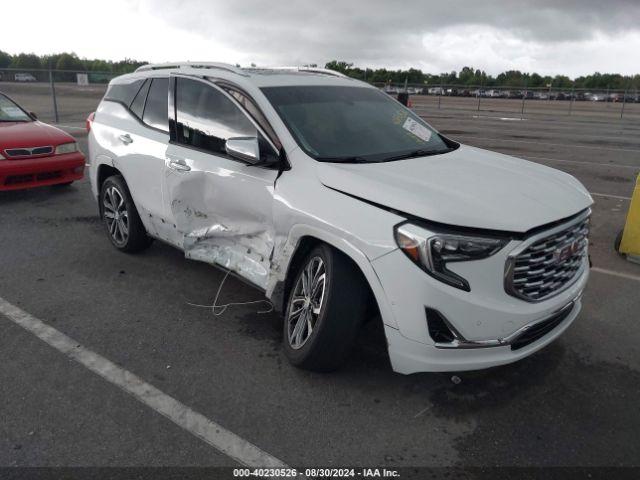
195,423
504,119
627,276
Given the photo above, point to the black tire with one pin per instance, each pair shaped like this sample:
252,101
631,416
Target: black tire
343,307
136,238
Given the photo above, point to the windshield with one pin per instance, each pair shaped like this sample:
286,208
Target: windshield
11,112
353,124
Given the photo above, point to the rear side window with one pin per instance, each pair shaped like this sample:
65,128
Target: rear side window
156,109
123,92
137,107
205,118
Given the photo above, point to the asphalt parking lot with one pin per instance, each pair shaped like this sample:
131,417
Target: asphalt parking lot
574,403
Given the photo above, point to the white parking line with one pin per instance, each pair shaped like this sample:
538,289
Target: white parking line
580,162
69,126
205,429
573,145
619,197
628,276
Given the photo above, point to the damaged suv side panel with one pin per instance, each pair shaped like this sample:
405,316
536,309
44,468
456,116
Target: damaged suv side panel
222,212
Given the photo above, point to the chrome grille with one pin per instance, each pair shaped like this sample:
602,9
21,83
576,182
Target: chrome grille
28,151
549,262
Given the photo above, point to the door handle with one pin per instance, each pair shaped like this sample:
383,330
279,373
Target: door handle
178,164
126,138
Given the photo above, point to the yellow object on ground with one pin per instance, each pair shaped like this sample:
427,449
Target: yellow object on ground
630,243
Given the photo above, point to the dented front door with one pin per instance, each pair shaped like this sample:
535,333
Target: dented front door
221,211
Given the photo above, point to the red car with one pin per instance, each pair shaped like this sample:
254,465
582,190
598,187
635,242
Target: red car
34,154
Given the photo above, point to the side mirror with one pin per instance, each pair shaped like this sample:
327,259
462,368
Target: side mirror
243,148
33,115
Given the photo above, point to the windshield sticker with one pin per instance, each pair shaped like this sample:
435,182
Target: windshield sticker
12,111
420,131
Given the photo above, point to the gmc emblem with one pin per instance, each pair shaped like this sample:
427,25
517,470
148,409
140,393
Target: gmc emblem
561,255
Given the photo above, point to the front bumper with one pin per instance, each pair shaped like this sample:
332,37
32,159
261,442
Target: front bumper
486,320
37,172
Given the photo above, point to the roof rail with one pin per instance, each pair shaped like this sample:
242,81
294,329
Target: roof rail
324,71
213,65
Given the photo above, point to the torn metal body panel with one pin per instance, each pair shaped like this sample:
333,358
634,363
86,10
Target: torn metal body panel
221,212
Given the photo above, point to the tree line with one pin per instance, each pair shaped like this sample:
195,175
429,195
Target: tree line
479,78
466,76
66,61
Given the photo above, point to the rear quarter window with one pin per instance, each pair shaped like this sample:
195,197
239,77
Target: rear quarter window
123,92
156,109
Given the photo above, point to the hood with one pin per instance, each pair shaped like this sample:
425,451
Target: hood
31,134
468,187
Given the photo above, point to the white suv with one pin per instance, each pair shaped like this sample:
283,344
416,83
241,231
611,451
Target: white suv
339,203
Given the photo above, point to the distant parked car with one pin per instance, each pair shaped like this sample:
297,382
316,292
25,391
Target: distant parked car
435,91
34,154
24,77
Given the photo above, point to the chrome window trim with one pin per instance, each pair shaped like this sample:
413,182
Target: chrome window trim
526,243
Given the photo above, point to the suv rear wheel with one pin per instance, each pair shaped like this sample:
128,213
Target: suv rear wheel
120,216
325,310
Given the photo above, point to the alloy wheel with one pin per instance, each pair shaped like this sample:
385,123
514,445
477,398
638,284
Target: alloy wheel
306,303
116,215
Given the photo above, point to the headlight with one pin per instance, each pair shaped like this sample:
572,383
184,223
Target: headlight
67,148
433,251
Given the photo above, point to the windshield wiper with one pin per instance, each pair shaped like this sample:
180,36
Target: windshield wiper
415,153
354,159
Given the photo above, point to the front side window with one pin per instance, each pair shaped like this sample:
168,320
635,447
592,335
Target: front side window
353,124
11,112
156,110
205,118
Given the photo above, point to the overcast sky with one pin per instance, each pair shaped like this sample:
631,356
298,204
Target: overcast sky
573,37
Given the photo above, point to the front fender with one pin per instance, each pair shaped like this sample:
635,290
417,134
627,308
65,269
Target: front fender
280,266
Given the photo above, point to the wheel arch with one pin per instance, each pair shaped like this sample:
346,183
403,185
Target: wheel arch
303,244
105,171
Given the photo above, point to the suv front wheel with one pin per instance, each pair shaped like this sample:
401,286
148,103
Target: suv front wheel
120,216
325,309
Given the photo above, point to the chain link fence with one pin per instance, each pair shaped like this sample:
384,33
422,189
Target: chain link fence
67,97
55,96
523,101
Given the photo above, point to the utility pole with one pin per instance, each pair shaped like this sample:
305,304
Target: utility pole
53,95
573,95
524,96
